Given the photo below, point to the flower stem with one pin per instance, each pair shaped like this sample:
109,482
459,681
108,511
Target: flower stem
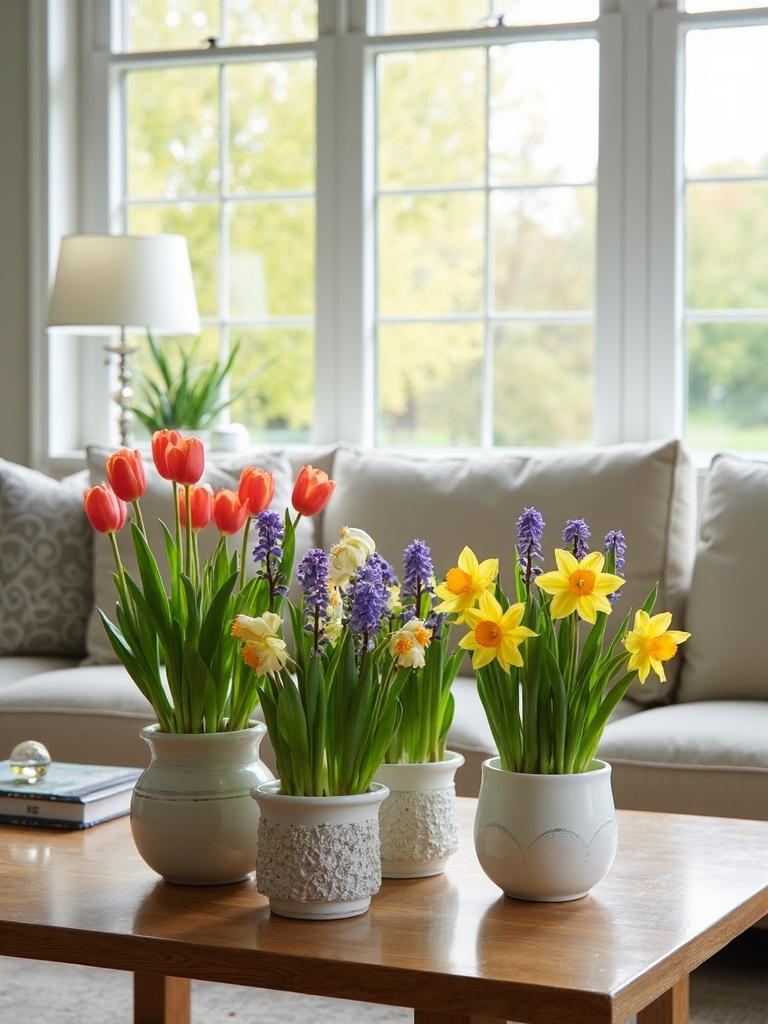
246,530
188,538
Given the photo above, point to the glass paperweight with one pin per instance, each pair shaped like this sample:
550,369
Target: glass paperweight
29,761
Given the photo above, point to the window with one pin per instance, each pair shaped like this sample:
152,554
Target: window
453,222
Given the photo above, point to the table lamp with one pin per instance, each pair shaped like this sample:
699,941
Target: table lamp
124,281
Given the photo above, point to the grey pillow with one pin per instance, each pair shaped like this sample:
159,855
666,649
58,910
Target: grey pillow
46,564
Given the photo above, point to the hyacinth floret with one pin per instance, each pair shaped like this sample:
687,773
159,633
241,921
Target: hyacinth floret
418,572
367,599
616,542
530,530
312,577
388,574
269,551
577,533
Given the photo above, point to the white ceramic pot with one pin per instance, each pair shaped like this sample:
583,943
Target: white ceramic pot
548,838
318,856
418,824
192,816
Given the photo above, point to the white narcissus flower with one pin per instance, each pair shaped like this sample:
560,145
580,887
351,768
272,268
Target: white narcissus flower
409,643
264,650
333,626
349,554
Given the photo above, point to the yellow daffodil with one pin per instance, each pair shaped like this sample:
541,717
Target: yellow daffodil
263,650
465,583
579,586
408,644
651,642
495,634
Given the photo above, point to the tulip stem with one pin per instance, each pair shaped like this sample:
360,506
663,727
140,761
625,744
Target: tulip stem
188,538
120,572
178,517
246,531
139,517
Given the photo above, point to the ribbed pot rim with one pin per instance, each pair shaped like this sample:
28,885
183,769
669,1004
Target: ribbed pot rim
153,732
450,759
493,765
271,791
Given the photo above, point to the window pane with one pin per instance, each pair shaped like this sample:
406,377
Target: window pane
728,386
271,126
543,384
204,348
270,21
425,396
431,254
727,245
543,249
173,132
278,404
432,15
544,112
199,222
172,24
726,89
431,117
272,258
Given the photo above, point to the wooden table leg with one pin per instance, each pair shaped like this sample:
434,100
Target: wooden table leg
671,1008
430,1017
160,1000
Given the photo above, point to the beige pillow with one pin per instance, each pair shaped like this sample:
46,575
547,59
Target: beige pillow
157,504
646,490
725,656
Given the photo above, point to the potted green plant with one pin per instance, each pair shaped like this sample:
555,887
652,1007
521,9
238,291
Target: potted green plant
545,827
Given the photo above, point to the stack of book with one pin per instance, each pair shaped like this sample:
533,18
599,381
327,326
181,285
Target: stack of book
67,796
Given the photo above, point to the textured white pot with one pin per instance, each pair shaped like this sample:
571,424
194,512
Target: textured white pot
548,838
192,816
319,856
417,821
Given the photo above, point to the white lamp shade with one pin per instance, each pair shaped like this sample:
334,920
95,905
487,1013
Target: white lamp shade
125,281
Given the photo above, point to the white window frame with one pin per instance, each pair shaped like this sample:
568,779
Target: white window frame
639,355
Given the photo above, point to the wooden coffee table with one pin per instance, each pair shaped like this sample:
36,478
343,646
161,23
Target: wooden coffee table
452,947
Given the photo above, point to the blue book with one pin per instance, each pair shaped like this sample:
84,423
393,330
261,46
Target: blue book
67,796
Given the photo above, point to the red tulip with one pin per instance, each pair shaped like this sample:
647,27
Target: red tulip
229,513
311,491
106,512
201,506
185,460
257,488
125,470
160,441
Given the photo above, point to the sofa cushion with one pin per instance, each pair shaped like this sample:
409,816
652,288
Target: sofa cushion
646,490
157,504
45,564
13,668
701,758
725,656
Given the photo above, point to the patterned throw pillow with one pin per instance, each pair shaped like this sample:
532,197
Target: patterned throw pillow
46,564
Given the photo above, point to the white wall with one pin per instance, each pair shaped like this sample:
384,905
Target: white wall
14,233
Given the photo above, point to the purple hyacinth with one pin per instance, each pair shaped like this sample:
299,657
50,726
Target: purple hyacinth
269,551
418,571
312,576
530,530
367,597
614,541
576,532
387,572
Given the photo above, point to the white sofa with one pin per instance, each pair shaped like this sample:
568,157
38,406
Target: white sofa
697,744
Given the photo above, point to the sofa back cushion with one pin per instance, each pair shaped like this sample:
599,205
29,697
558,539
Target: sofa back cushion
45,564
646,490
156,505
724,659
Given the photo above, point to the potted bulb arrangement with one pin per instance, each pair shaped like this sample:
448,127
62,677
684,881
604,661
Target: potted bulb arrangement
545,827
192,817
418,823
